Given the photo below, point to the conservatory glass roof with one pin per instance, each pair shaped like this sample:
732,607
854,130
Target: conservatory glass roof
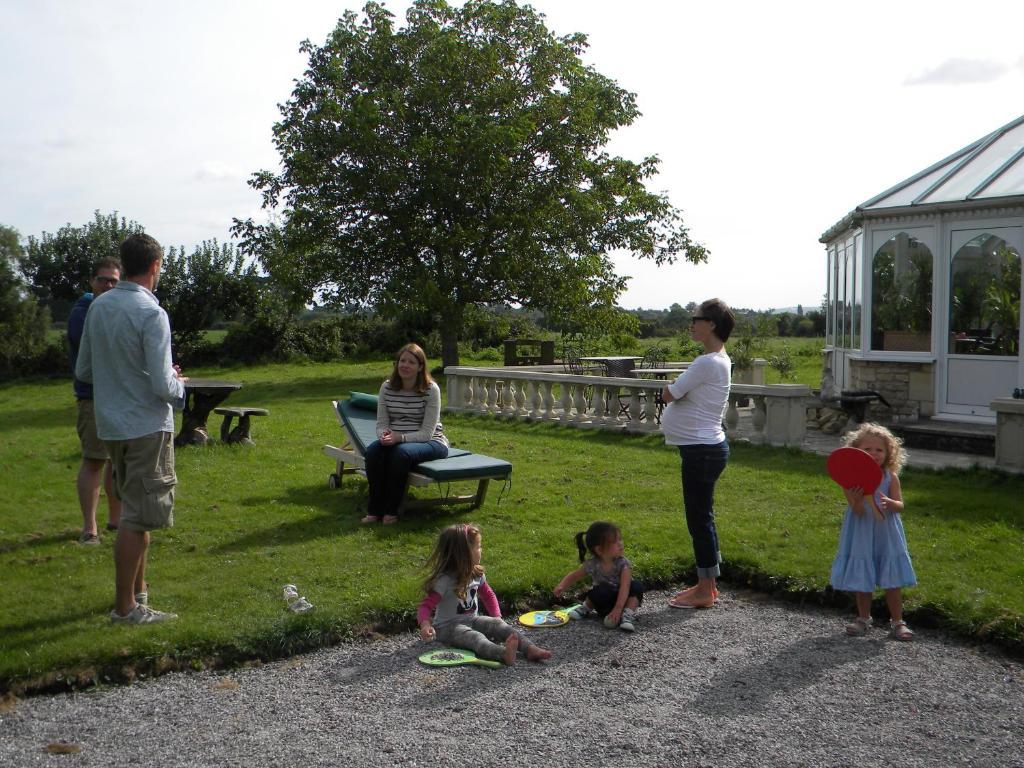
991,167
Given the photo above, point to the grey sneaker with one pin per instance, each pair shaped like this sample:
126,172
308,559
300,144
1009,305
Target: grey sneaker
90,539
628,623
142,614
580,612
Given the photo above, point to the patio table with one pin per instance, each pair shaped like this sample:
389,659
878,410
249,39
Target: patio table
201,397
620,366
657,373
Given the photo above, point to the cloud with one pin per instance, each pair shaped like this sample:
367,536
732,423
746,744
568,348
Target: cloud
215,170
63,142
961,72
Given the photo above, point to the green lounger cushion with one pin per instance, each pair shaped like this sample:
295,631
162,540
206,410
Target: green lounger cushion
464,466
360,423
363,401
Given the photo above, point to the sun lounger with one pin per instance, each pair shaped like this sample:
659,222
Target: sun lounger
358,419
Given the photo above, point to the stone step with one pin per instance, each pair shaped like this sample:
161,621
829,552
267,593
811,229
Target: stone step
974,439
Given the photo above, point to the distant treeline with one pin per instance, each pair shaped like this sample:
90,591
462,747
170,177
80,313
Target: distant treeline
676,319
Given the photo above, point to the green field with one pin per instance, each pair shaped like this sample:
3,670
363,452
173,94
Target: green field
249,520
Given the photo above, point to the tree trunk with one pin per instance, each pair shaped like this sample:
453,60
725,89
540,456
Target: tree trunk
451,327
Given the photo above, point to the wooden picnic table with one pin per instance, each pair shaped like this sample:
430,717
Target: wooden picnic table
201,397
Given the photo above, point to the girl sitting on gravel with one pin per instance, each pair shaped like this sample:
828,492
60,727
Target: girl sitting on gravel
456,587
615,594
872,552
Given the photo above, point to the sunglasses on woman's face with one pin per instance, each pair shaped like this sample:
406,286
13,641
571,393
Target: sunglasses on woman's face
695,318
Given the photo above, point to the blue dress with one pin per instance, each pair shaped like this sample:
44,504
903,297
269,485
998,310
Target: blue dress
872,552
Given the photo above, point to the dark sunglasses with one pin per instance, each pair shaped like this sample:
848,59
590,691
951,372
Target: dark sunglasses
106,280
695,318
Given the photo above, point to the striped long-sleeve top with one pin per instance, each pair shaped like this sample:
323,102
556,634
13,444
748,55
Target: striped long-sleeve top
416,416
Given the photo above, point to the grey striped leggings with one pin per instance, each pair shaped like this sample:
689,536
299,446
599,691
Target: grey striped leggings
483,636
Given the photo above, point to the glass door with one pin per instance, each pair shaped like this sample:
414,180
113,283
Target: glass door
982,320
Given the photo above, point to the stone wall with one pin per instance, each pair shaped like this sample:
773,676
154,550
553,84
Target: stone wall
909,387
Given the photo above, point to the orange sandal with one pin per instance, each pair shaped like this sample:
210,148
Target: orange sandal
687,604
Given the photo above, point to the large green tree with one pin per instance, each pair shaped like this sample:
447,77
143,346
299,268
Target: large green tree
23,323
457,160
211,283
58,266
11,254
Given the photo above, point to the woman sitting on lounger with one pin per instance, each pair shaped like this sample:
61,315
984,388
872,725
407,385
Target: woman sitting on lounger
408,432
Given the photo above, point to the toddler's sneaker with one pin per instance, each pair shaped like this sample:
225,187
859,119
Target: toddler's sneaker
581,611
859,627
628,623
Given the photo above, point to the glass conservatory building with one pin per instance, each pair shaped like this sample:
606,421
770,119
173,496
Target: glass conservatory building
924,285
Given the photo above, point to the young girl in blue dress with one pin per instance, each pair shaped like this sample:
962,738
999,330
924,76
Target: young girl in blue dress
872,552
615,595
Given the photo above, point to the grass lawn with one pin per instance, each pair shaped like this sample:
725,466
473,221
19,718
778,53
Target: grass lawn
249,520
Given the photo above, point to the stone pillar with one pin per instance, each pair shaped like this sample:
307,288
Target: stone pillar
786,414
453,384
757,374
1009,433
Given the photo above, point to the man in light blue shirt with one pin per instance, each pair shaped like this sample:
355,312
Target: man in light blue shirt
126,354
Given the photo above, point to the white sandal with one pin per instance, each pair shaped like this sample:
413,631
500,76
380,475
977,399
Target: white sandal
898,630
859,626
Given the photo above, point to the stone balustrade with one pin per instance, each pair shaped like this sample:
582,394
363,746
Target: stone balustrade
600,402
1009,434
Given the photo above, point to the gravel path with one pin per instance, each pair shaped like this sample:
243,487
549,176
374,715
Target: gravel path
753,682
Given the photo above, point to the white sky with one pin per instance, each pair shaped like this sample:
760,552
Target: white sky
772,120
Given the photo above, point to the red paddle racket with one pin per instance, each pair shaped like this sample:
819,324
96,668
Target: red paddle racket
854,468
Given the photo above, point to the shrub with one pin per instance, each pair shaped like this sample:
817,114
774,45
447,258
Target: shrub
491,355
24,349
483,327
51,361
262,339
783,362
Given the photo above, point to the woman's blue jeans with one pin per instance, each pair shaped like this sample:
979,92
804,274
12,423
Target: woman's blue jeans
387,470
702,466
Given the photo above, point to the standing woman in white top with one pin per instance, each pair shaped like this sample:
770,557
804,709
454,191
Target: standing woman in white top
692,420
408,433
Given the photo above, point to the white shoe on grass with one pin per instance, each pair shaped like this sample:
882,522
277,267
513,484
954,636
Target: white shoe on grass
142,614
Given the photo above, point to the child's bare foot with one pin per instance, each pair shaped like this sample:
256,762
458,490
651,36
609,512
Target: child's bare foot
536,653
508,656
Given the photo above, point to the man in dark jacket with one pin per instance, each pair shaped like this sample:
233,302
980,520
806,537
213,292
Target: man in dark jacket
95,461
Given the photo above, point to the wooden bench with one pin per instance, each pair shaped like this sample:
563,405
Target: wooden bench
240,434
